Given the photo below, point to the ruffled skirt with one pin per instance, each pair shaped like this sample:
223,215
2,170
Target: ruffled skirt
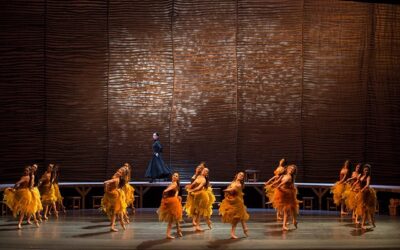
21,200
233,210
338,190
114,202
170,210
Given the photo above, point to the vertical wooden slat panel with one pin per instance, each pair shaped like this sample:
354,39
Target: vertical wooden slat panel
383,120
21,86
335,68
76,88
141,81
203,125
270,78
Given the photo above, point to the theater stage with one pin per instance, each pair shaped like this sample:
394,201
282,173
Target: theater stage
89,229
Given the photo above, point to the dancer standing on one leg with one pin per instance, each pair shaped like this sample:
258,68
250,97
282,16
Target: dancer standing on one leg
170,210
189,197
339,187
35,195
157,168
114,203
20,199
201,205
272,183
232,207
285,197
366,198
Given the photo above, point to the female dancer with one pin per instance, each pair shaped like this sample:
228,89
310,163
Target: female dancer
285,197
339,187
366,198
47,191
272,183
20,198
232,207
59,201
170,210
189,197
202,200
157,168
36,195
351,192
114,203
128,190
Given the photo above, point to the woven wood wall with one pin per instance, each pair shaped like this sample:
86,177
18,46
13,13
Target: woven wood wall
236,83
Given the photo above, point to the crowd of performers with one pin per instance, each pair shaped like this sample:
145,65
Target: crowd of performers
352,192
28,199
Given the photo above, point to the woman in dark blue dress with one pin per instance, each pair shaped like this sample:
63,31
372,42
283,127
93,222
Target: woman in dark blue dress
157,168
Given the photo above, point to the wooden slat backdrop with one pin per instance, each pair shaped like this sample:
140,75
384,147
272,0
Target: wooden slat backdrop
22,96
236,83
76,87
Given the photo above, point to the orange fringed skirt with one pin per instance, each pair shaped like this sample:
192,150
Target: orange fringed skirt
269,192
114,202
285,199
338,190
170,210
366,202
20,200
129,194
232,209
48,194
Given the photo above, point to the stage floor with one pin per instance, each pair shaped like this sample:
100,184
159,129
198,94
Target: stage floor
89,229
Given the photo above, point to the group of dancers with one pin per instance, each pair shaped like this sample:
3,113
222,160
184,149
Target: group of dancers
353,192
28,200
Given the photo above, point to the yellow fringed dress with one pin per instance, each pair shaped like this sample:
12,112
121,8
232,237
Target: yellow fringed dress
338,190
232,208
47,194
188,205
57,193
20,200
201,203
129,194
349,197
114,202
170,209
37,199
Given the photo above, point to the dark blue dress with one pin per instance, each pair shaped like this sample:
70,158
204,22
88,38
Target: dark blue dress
157,168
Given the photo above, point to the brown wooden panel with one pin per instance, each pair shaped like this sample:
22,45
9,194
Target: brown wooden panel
76,88
383,107
203,118
334,93
21,86
141,81
270,80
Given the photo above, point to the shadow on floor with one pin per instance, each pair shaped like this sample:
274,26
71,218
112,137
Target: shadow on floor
215,244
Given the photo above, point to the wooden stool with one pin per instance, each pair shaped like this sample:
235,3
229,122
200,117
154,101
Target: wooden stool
308,203
330,205
75,202
96,201
251,175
